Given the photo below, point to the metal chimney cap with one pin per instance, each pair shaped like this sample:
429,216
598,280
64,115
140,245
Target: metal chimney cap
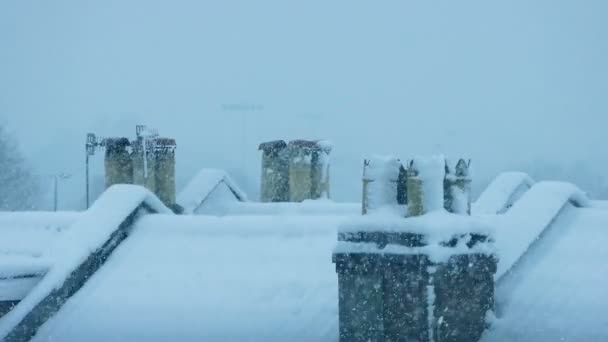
115,142
165,141
272,146
304,143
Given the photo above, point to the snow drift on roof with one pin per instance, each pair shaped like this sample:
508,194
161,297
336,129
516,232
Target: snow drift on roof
19,266
25,241
440,224
599,204
202,185
558,292
257,278
19,274
529,217
381,174
436,227
203,278
88,233
504,190
318,207
32,233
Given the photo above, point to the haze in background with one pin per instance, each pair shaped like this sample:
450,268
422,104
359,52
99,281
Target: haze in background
506,84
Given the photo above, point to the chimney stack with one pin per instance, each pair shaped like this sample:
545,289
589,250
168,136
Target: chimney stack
275,172
117,161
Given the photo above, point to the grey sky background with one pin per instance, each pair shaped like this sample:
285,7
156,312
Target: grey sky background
502,82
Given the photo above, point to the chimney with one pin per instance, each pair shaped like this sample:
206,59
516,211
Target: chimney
425,181
117,162
275,172
153,161
144,163
308,169
457,187
320,169
426,277
164,155
380,184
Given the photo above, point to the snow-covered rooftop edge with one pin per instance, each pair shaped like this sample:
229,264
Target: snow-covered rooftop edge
524,223
92,230
502,192
437,227
438,224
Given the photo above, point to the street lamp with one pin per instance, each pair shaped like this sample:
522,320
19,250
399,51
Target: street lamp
56,178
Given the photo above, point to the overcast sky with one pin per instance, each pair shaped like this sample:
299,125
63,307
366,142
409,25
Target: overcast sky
502,82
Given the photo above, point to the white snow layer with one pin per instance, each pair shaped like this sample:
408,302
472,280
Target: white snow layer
319,207
25,241
439,224
19,274
558,292
436,227
269,278
87,234
202,187
200,278
599,204
502,193
324,163
529,217
13,289
32,233
380,175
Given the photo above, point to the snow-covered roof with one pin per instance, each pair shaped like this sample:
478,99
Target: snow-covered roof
92,231
19,274
558,293
529,217
205,278
504,190
599,204
270,277
318,207
200,188
32,233
26,242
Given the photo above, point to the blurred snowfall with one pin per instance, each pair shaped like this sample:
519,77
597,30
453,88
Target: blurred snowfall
512,85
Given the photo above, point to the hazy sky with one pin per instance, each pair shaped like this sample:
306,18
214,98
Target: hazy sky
501,82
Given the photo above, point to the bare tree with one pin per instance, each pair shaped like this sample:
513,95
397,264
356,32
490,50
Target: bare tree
18,186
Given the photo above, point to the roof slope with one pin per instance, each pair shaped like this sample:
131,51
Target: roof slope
202,278
201,187
269,278
558,291
504,190
529,217
85,247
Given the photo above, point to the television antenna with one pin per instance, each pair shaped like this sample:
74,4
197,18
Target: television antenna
92,144
143,134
